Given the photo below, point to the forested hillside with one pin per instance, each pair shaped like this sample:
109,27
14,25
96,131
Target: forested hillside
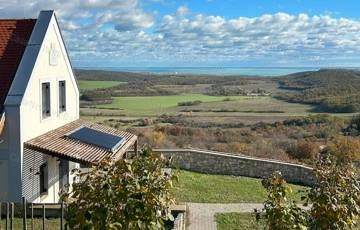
331,90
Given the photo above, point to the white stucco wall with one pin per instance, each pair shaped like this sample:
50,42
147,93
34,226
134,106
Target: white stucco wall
32,122
23,105
53,195
31,113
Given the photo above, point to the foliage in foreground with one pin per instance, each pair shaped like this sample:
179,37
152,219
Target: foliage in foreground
130,193
334,202
280,212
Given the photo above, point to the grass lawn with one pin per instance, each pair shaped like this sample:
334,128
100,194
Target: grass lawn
236,221
239,221
89,85
156,105
50,224
206,188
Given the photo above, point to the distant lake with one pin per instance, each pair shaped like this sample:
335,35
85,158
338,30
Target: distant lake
258,71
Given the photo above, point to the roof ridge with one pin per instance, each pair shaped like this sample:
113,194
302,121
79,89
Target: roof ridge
17,19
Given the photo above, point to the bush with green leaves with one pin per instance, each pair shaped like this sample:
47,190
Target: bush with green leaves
280,212
334,201
131,193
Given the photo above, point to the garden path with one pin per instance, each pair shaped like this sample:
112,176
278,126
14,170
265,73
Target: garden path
201,216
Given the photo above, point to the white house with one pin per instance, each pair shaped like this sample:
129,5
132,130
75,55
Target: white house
41,135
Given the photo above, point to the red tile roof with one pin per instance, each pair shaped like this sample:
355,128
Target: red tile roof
14,36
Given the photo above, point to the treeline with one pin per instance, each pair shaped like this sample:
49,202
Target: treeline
332,90
233,90
141,88
157,79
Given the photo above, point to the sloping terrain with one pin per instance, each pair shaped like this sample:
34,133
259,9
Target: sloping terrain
331,90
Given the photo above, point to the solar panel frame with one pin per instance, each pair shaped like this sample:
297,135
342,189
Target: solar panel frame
98,138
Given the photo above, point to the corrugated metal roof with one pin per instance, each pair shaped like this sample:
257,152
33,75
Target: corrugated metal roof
57,143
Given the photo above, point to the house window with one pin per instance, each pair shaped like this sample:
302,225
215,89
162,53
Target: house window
44,180
62,96
46,109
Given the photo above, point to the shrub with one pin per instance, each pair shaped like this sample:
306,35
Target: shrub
334,200
353,128
336,197
279,212
345,148
130,193
303,150
189,103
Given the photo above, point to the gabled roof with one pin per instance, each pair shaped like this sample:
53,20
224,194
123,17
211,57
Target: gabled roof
14,36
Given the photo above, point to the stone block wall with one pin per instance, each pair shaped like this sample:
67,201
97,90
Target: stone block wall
230,164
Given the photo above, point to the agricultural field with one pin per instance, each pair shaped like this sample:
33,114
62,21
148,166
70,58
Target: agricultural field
241,115
90,85
157,105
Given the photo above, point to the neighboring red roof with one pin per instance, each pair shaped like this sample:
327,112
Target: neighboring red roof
14,36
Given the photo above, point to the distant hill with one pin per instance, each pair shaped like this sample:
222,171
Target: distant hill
157,79
330,90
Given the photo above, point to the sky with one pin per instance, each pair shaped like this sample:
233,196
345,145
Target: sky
204,33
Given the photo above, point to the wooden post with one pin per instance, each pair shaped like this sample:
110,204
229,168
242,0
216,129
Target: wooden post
24,214
0,214
7,215
136,147
62,216
32,216
43,221
12,216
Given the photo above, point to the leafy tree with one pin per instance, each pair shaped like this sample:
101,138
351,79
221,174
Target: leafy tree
131,193
336,197
279,211
334,201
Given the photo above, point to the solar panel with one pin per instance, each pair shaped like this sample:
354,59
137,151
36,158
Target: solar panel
91,136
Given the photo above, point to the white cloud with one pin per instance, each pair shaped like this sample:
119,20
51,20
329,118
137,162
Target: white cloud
182,11
122,31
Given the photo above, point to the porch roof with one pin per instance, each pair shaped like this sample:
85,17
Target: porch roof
57,143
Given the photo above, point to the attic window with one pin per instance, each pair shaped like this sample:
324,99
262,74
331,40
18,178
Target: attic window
46,108
62,96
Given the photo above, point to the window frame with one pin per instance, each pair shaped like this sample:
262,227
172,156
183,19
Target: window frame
44,178
45,115
60,109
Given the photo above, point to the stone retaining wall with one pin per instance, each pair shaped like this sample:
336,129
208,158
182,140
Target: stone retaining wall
231,164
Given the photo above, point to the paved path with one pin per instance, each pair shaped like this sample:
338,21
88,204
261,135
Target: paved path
201,216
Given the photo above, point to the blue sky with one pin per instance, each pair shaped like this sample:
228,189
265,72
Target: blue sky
253,8
315,33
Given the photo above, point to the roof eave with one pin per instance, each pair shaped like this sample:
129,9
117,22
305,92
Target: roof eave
28,59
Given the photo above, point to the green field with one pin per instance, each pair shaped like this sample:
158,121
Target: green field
206,188
90,85
155,105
